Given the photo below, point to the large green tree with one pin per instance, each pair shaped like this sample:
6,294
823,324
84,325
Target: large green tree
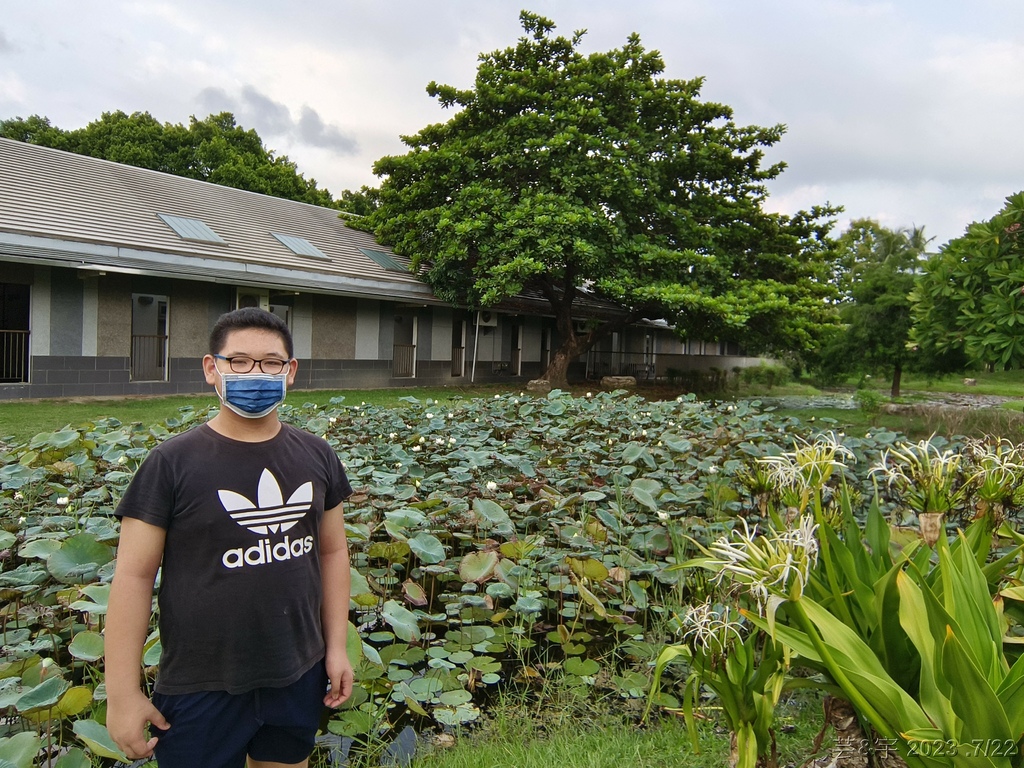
214,149
970,298
879,267
564,173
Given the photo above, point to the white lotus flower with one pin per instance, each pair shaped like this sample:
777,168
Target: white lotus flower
416,449
62,501
491,485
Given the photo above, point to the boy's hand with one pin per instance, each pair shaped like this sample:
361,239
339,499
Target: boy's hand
339,670
126,722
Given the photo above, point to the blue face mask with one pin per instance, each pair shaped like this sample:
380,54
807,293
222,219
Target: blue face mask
253,395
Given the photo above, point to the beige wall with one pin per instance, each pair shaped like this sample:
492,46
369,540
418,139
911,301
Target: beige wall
334,328
114,316
188,313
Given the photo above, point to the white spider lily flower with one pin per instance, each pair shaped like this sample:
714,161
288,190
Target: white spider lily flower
776,563
926,476
710,629
809,466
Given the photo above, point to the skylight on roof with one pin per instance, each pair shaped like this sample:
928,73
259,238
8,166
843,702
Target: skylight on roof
299,245
191,229
385,260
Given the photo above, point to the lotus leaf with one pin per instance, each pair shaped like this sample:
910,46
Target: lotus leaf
588,568
453,716
401,620
582,667
87,646
152,650
20,750
352,723
427,548
74,700
25,575
493,514
44,695
500,590
414,593
528,604
478,566
520,548
73,758
403,693
78,559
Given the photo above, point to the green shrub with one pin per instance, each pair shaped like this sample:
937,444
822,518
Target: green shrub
868,400
766,375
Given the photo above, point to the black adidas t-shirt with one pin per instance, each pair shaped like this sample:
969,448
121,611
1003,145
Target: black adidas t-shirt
240,589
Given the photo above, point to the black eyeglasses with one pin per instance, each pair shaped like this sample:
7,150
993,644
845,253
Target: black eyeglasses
271,365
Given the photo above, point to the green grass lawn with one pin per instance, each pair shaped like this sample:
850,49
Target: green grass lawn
21,419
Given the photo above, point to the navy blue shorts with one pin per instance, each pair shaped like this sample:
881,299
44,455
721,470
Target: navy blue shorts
214,729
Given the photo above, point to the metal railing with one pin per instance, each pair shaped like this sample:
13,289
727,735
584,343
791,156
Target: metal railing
403,363
660,367
149,358
14,357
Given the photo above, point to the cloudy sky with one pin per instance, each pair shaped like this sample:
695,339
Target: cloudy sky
909,112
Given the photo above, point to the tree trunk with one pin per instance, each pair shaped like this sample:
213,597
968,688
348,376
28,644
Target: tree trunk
897,376
558,371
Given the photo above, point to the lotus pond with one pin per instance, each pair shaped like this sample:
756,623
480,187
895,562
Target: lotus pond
496,543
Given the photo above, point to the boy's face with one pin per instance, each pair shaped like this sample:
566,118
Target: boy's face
254,343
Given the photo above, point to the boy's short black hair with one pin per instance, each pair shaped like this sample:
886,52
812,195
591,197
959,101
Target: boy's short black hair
249,317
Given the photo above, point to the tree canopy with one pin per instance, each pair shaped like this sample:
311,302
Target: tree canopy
214,149
562,171
970,298
879,267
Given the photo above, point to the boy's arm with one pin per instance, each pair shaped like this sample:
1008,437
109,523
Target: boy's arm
139,553
335,576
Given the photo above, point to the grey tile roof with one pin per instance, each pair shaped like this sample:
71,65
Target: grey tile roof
66,209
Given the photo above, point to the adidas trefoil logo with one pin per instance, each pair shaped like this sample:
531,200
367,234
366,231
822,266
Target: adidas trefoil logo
272,514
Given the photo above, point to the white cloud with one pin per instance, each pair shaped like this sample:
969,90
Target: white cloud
906,112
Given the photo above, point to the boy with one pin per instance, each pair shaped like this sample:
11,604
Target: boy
243,515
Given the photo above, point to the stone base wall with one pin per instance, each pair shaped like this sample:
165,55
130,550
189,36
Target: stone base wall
56,376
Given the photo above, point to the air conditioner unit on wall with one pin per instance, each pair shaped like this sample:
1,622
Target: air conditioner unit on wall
487,319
